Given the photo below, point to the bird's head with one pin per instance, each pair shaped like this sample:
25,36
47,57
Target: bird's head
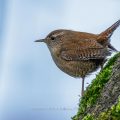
54,38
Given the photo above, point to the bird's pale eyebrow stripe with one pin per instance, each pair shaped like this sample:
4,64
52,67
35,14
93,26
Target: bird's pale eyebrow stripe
58,34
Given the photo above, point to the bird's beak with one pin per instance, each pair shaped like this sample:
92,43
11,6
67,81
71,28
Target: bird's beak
41,40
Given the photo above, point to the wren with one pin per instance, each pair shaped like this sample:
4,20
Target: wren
79,53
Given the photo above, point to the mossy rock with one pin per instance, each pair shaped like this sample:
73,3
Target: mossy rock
101,98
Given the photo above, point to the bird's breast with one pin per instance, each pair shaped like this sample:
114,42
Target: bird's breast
76,68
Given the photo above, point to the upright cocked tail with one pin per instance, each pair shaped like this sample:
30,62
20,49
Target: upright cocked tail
104,37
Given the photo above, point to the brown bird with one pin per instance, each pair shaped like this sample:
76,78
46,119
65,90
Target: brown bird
79,53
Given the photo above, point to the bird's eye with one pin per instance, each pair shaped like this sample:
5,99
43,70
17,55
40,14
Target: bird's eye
52,38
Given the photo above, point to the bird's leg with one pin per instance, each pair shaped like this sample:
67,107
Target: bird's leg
101,67
83,79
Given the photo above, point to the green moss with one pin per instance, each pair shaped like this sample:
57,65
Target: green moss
88,117
93,91
112,113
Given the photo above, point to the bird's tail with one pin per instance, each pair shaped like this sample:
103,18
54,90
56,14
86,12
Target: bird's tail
105,36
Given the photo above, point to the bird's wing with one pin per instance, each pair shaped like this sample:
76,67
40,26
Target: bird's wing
83,50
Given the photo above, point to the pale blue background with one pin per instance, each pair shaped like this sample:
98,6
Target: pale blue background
31,86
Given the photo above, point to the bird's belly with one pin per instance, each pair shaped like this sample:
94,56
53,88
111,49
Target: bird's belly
78,68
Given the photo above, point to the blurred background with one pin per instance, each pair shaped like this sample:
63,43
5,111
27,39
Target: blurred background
31,86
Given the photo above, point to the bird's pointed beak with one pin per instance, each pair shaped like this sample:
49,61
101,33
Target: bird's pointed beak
41,40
